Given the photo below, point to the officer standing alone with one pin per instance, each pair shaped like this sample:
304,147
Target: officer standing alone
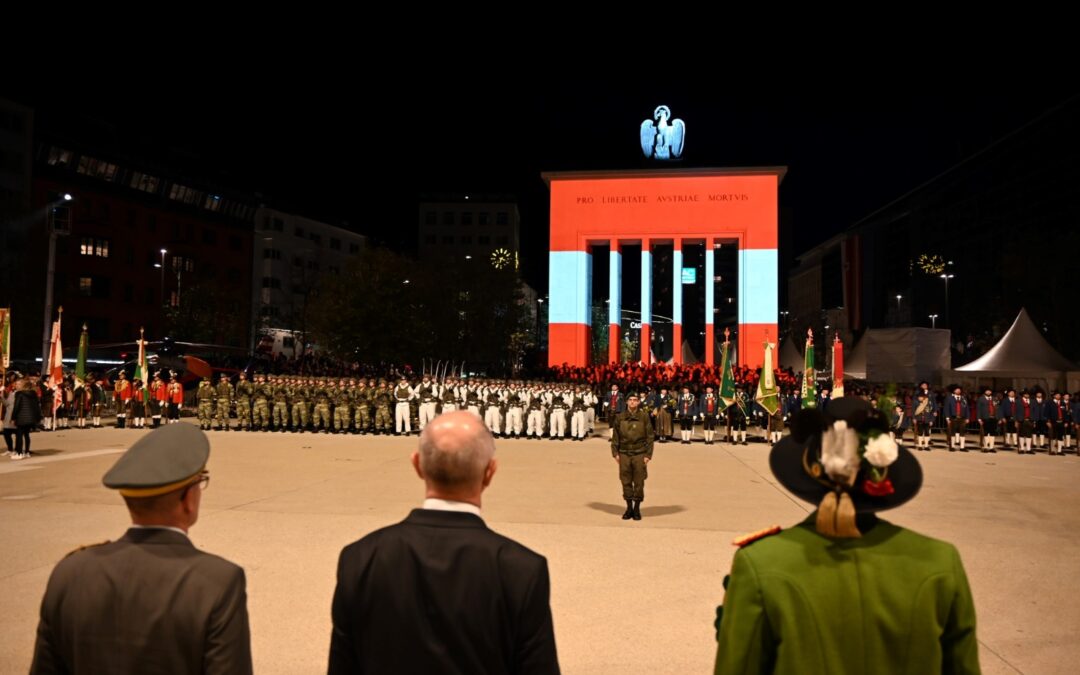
632,448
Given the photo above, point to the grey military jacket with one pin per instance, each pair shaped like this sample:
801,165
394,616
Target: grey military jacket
148,603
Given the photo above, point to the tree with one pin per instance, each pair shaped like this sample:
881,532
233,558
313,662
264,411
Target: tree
384,307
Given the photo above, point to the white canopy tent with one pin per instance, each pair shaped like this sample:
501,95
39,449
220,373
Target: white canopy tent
855,361
1023,357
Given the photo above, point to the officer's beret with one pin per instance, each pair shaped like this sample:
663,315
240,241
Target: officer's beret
164,460
633,394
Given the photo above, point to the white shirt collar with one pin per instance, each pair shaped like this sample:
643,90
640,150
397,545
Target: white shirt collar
159,527
433,504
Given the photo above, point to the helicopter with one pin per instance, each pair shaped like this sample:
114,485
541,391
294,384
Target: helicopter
166,355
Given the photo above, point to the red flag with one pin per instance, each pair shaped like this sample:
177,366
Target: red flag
837,368
55,366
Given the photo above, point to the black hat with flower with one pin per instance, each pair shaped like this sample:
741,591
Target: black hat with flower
844,461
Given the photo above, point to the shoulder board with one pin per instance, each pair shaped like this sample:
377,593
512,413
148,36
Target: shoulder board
748,539
86,546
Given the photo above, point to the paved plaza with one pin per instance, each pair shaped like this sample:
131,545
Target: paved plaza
627,596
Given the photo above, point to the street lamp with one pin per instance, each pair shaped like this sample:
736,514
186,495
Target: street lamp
898,297
162,266
50,225
933,320
539,307
946,277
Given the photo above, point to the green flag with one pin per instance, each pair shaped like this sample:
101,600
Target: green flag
809,380
80,363
767,396
727,375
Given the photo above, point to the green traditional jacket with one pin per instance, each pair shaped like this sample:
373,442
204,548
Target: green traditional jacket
892,601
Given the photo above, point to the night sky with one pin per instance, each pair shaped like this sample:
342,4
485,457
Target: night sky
363,157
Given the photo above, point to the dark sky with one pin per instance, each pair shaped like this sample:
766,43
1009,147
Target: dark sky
364,156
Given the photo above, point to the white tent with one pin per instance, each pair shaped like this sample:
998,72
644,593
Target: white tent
1023,356
855,361
1021,351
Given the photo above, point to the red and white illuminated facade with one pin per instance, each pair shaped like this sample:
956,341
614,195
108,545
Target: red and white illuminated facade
678,207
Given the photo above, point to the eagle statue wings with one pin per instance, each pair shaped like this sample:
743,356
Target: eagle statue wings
662,139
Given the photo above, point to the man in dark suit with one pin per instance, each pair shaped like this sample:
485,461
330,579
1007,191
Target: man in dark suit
440,592
150,602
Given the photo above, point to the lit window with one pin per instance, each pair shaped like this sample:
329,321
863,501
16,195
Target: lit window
86,286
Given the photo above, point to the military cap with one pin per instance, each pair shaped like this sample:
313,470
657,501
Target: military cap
163,460
633,394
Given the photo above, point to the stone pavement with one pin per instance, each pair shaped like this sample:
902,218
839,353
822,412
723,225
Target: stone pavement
627,596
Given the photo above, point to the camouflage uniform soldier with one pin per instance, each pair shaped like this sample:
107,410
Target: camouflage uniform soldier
224,401
342,399
383,421
205,398
261,411
301,399
244,392
280,416
322,407
362,408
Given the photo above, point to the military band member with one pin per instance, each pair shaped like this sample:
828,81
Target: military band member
159,400
64,410
663,406
176,399
632,448
137,404
1070,425
1041,415
204,399
685,411
709,410
737,417
1008,417
121,395
1057,417
1025,423
956,411
899,424
989,412
775,421
923,414
81,401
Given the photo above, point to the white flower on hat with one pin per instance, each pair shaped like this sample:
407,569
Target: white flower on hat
840,452
881,451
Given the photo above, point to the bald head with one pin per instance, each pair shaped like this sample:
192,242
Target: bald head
456,454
